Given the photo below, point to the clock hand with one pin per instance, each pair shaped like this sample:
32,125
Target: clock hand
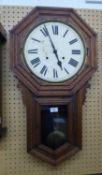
59,62
54,49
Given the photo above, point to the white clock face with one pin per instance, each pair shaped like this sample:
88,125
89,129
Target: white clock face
54,51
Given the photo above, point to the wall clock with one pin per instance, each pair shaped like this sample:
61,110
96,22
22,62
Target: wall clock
2,41
53,54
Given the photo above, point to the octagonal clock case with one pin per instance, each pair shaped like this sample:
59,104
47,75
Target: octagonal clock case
53,54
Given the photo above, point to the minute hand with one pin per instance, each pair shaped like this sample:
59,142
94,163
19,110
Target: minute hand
54,49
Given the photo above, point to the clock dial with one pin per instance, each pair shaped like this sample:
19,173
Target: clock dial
54,51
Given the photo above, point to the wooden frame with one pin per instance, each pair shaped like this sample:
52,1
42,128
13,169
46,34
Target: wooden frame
37,92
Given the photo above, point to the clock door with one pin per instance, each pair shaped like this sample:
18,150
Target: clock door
54,122
54,128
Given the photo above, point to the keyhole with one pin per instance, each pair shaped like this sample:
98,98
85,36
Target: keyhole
63,58
47,58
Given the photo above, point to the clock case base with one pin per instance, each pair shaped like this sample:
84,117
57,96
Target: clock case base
74,125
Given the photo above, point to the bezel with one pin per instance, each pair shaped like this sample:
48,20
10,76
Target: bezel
81,39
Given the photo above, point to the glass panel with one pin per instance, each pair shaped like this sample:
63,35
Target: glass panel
54,125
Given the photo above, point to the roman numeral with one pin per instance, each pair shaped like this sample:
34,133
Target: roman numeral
55,74
66,70
73,62
31,51
44,31
65,33
35,62
76,52
73,41
55,29
43,70
36,40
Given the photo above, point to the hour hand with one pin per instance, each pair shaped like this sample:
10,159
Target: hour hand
59,62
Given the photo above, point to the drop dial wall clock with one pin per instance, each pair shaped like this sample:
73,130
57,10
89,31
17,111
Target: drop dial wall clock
53,55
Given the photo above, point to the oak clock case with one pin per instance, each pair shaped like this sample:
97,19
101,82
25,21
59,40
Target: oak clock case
53,55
